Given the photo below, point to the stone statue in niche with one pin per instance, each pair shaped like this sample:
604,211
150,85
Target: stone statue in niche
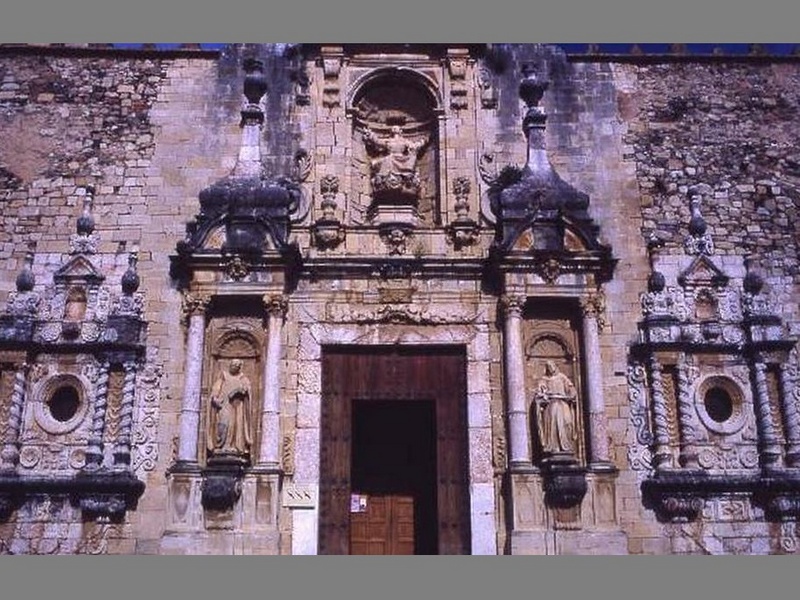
554,399
229,414
394,170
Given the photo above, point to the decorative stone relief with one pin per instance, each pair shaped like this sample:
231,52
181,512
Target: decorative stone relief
332,57
394,165
401,313
328,231
396,238
463,231
639,454
144,438
488,88
457,69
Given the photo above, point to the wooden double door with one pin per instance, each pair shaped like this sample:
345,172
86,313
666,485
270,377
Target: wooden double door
393,455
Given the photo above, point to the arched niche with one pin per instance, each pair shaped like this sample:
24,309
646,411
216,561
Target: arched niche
233,339
557,349
394,115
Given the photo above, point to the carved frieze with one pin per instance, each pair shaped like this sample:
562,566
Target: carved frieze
413,314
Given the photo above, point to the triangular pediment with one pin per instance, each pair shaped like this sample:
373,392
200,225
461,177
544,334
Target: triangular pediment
78,269
703,273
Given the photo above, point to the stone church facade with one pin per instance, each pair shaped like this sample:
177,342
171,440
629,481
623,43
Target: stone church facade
387,299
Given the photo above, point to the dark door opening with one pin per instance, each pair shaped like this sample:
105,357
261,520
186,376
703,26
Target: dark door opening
393,477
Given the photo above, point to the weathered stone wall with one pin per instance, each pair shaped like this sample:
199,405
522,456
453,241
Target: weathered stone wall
144,133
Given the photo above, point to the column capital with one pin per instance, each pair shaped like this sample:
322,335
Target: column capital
593,305
275,304
512,304
194,304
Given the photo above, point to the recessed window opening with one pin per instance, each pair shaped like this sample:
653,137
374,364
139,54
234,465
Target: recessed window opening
719,404
64,403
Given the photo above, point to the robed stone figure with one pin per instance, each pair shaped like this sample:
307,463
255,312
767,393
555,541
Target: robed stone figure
229,418
555,399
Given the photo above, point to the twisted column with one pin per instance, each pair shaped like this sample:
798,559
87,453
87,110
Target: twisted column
518,430
662,455
769,450
688,457
10,453
269,449
94,451
194,308
122,451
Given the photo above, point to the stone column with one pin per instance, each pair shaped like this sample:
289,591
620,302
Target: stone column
593,307
688,456
122,450
194,308
662,455
518,429
269,451
769,450
791,417
94,450
9,458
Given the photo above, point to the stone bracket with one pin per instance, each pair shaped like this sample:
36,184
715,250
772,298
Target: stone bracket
564,483
222,486
679,496
98,495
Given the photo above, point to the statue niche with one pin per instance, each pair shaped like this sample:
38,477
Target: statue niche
395,148
555,399
232,397
556,414
229,433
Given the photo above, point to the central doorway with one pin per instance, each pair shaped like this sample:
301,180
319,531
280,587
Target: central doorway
393,451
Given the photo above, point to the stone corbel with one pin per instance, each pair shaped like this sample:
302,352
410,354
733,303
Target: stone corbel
457,68
463,231
332,58
328,231
222,486
564,482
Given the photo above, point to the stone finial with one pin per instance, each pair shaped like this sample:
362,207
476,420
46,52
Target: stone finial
656,281
699,240
531,90
25,279
85,224
753,280
130,279
697,224
255,86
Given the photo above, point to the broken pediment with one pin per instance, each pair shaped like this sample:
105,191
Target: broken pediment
703,273
78,269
